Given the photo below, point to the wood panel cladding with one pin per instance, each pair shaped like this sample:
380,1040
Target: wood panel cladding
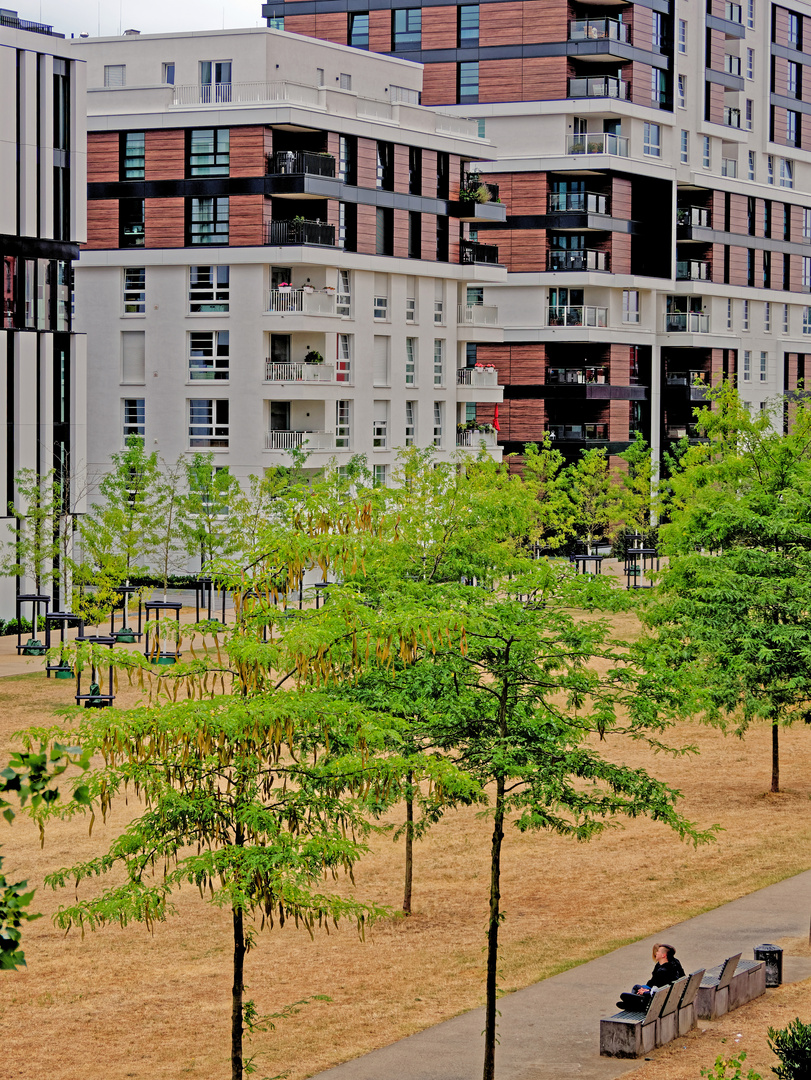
716,366
102,156
543,77
165,223
716,49
246,221
164,155
367,163
522,420
718,211
796,274
502,24
805,131
438,80
738,215
643,27
738,266
543,22
401,234
619,421
331,26
500,81
619,359
102,223
248,151
714,103
401,171
429,177
380,31
620,248
300,24
367,230
792,370
523,193
439,30
523,364
621,193
640,89
780,16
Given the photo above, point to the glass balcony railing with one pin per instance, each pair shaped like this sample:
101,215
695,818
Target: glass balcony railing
690,322
693,270
584,259
285,162
580,201
597,142
575,376
687,378
574,315
698,216
606,87
476,315
300,232
578,432
598,30
477,253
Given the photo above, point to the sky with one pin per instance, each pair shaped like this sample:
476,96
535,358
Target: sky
110,17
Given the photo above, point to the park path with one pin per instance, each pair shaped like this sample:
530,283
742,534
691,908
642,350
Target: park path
550,1031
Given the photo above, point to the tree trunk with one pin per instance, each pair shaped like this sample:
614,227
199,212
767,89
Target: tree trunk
775,757
236,995
492,935
409,846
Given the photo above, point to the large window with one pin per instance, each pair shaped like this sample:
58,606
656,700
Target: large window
209,152
406,28
343,366
343,299
134,414
209,423
651,143
207,221
384,231
786,173
134,290
468,27
215,81
209,289
131,223
209,355
792,127
359,30
385,166
630,305
468,88
132,155
343,425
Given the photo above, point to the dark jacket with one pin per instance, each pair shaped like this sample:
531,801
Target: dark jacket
666,973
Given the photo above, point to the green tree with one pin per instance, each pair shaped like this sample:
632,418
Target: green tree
210,493
34,548
633,488
544,472
168,550
594,502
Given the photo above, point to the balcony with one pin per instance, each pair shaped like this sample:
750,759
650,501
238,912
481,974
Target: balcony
474,438
287,233
597,142
682,431
576,316
257,93
690,322
298,372
732,117
10,20
470,252
292,162
606,87
472,184
598,30
695,216
476,315
299,302
695,382
693,270
578,432
582,376
478,378
584,259
587,202
290,440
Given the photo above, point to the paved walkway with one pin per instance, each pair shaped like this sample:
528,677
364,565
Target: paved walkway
550,1031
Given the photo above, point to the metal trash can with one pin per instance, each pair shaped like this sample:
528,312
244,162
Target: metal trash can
772,955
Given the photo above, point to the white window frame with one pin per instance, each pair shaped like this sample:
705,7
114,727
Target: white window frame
439,312
683,36
630,305
767,318
343,424
343,361
729,314
439,425
134,290
747,366
706,159
769,169
411,420
785,318
211,347
685,147
651,139
786,173
680,91
133,418
412,346
381,309
764,366
411,309
752,164
745,320
115,75
439,362
211,291
343,298
806,271
807,320
750,64
209,423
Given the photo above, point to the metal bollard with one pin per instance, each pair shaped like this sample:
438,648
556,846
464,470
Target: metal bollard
772,955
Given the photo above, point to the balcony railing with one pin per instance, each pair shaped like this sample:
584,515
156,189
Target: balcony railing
682,431
570,375
690,322
597,142
298,371
290,440
477,253
477,315
473,181
578,432
732,65
589,202
476,437
299,301
585,259
698,216
300,232
732,117
476,377
10,19
245,92
285,162
687,378
605,87
693,270
565,315
598,30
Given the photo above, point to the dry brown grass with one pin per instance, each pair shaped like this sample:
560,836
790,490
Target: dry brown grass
122,1003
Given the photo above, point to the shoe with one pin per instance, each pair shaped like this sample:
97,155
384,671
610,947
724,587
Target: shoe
620,1004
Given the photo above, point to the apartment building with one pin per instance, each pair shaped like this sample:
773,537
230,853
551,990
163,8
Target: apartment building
654,159
42,221
277,256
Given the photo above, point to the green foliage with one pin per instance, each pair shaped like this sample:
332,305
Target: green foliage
204,524
633,487
544,474
35,528
730,1068
593,497
792,1044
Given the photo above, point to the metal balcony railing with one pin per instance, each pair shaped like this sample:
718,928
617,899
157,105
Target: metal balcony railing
693,377
476,315
597,142
475,437
10,19
575,376
574,315
693,270
584,259
476,377
691,322
299,301
578,432
245,92
473,181
598,30
285,162
694,215
589,202
298,371
300,232
477,253
605,87
289,440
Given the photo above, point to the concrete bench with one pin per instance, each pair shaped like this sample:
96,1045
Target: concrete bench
712,999
667,1024
632,1034
687,1008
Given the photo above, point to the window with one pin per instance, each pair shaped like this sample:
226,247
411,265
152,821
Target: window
785,318
209,152
209,423
411,309
343,367
468,25
131,223
276,22
786,173
168,73
406,28
381,307
630,306
767,318
343,299
414,234
806,275
439,361
769,169
745,320
437,423
439,312
807,223
794,30
750,63
208,355
680,91
133,356
215,81
729,314
767,275
657,30
750,14
747,366
468,84
380,475
792,127
385,166
474,295
443,237
807,320
414,170
134,290
345,81
319,76
209,289
792,80
134,410
481,125
749,109
411,420
443,174
132,155
751,164
411,361
682,36
729,167
380,425
658,87
764,366
706,152
650,141
380,361
343,425
207,220
115,75
359,30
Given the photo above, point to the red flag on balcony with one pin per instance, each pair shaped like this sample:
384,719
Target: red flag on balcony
496,424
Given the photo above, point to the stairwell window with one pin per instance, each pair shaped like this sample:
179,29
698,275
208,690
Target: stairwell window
680,91
439,361
682,36
343,425
745,320
343,366
764,366
767,318
438,423
651,136
705,158
343,299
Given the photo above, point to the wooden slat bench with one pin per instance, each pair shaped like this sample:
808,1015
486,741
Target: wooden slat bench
631,1034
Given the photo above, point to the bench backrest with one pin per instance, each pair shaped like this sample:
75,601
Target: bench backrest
674,997
728,970
656,1003
690,991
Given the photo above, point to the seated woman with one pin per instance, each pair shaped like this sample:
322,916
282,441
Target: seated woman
666,970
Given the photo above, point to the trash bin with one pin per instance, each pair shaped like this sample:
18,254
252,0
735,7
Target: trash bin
773,957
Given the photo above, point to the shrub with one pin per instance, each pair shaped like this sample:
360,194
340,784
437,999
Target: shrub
792,1045
735,1065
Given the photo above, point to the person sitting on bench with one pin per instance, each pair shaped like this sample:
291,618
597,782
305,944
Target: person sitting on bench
666,970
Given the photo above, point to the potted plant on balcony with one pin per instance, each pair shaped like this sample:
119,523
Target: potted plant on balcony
307,289
473,190
313,357
284,287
